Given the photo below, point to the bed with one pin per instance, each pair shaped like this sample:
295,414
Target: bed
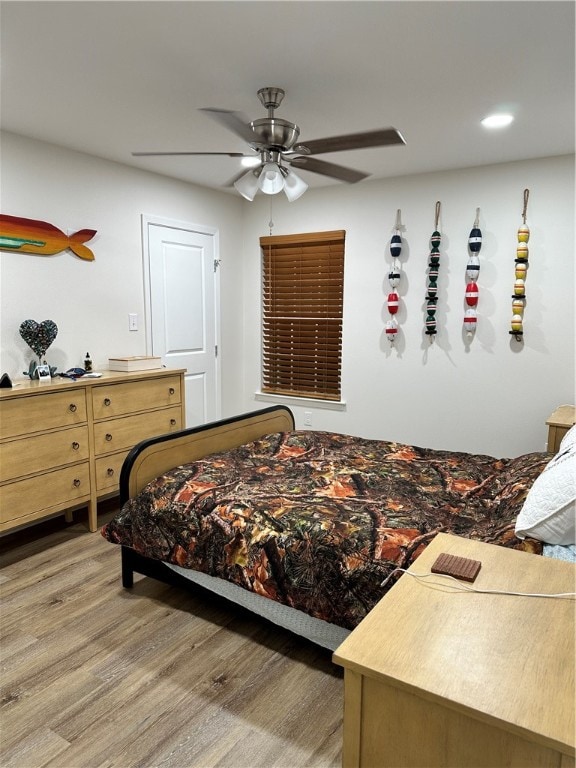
303,527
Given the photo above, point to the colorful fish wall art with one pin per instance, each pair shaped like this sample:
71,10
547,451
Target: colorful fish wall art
39,237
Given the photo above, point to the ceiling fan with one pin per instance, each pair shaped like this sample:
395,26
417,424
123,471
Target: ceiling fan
274,144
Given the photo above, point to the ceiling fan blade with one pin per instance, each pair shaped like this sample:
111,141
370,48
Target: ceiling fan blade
379,138
234,121
170,154
327,169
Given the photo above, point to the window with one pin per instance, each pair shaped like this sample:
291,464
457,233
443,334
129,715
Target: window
303,287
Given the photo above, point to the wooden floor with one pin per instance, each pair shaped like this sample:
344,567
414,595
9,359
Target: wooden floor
95,675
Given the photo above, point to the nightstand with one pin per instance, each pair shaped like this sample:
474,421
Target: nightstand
435,676
559,423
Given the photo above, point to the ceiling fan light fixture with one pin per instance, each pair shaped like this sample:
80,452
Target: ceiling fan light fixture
271,180
248,184
250,162
294,186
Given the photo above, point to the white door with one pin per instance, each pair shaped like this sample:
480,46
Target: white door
181,262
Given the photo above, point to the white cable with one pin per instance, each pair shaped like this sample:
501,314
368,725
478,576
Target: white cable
468,588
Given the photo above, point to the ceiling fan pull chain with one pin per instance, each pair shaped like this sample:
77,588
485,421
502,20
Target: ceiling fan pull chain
271,222
520,271
433,269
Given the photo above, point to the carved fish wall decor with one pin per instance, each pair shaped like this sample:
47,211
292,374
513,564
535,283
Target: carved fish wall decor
31,236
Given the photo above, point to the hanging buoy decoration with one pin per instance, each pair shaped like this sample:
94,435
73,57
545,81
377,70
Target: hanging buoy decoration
396,243
430,325
471,294
394,277
519,288
431,308
518,306
472,272
433,271
520,272
391,330
473,268
470,320
475,237
393,302
516,325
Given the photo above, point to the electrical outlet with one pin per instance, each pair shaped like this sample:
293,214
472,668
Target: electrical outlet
307,418
132,321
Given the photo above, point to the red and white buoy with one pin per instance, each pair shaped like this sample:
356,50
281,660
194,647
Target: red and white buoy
471,294
470,320
393,302
391,330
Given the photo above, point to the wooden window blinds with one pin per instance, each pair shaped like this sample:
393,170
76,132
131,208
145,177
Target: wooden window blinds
303,287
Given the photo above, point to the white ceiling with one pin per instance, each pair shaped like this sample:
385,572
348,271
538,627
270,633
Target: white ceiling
109,78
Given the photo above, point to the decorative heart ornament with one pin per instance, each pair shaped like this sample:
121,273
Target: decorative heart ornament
39,336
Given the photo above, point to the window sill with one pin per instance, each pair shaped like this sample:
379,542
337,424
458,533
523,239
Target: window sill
304,402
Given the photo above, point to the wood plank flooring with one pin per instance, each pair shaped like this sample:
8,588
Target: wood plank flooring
96,676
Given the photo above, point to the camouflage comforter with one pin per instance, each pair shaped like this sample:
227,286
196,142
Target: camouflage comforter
317,520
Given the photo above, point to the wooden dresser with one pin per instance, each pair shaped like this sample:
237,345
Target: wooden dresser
62,443
436,676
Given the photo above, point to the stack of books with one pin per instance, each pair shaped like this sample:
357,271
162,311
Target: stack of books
134,363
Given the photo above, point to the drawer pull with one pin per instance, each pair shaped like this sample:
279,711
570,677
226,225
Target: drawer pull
108,437
73,407
75,445
171,390
109,471
76,483
107,401
172,422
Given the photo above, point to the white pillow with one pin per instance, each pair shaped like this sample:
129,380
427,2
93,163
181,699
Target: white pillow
568,439
549,512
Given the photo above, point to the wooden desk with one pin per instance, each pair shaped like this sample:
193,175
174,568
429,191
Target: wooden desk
437,677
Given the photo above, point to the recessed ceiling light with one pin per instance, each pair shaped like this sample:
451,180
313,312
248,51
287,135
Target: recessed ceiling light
497,121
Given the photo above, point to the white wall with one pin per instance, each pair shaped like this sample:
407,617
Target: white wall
90,301
491,395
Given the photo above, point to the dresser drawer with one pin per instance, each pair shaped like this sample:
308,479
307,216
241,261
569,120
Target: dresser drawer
108,471
38,496
134,396
115,434
23,415
43,452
